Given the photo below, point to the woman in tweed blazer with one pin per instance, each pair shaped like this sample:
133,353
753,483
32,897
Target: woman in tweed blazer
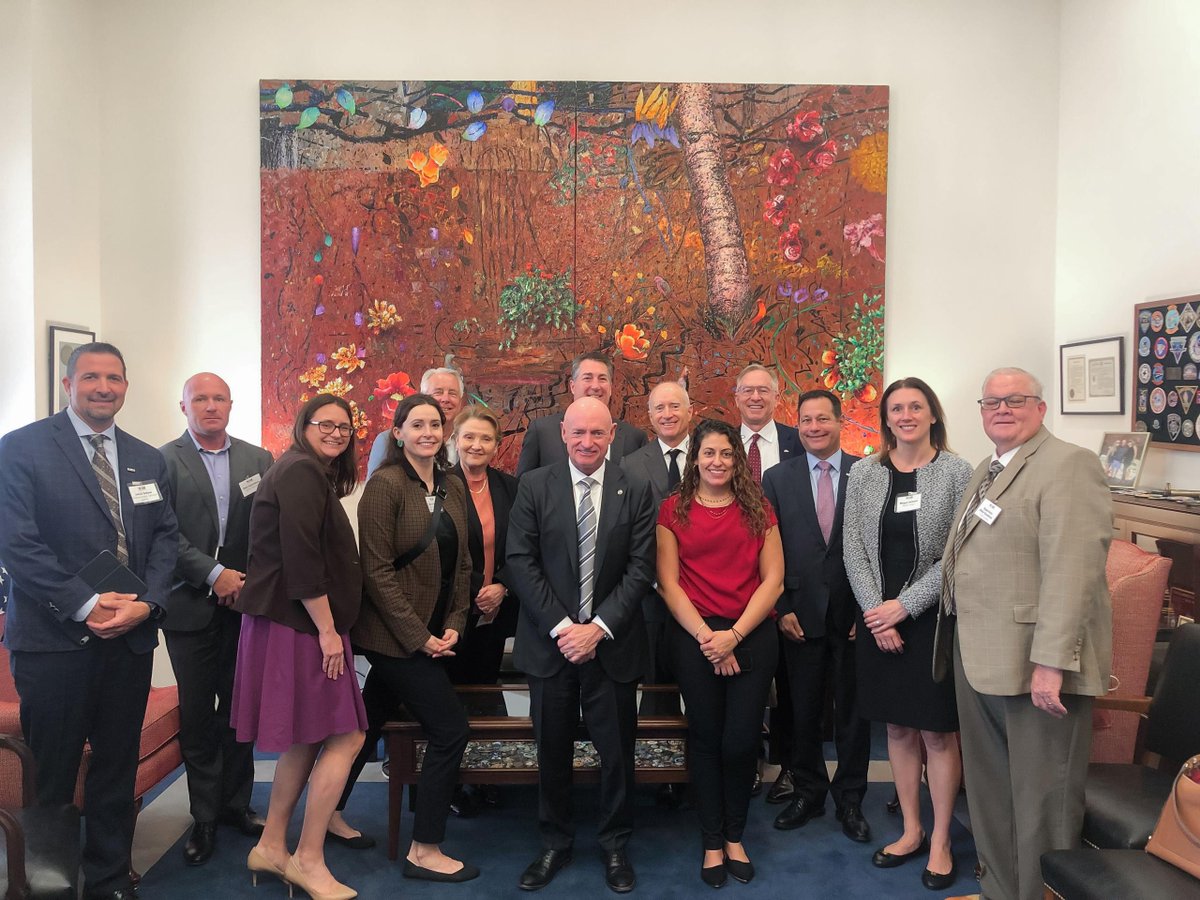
413,614
899,511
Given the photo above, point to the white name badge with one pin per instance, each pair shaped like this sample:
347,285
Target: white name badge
430,501
908,502
143,492
988,511
250,485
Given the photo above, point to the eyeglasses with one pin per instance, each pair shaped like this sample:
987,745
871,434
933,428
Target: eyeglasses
331,427
756,390
1012,401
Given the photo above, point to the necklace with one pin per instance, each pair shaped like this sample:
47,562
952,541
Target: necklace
482,485
714,501
723,504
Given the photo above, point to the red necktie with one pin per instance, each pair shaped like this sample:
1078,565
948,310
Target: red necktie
754,457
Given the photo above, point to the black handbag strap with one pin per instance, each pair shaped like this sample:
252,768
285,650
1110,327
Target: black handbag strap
427,538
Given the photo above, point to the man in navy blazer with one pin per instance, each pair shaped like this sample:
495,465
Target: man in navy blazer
81,660
581,558
816,620
542,445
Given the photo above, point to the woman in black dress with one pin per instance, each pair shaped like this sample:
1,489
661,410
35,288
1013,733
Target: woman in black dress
900,505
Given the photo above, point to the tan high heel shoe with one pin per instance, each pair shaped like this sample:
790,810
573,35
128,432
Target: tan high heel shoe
258,864
294,876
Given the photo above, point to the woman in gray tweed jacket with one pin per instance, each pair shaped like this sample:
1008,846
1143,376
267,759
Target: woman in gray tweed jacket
900,507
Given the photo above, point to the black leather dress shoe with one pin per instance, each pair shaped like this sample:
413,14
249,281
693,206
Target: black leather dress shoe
741,871
618,873
200,844
670,795
245,820
542,870
936,882
854,826
884,860
799,812
756,786
119,894
783,790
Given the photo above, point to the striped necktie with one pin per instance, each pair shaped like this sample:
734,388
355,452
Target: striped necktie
108,486
960,535
586,529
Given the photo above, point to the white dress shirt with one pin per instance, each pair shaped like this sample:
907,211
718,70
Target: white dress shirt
768,443
597,493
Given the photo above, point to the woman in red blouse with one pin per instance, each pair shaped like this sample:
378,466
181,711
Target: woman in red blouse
720,571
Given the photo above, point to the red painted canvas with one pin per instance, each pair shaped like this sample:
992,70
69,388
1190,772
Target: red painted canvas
504,227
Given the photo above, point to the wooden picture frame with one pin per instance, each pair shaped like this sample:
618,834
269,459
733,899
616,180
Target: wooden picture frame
1122,454
1165,375
62,341
1092,377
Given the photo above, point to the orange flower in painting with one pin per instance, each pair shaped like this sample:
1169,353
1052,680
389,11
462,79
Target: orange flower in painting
339,387
427,166
347,358
632,343
381,316
759,313
313,376
868,162
360,421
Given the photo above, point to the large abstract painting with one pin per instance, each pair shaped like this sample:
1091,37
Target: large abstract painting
504,227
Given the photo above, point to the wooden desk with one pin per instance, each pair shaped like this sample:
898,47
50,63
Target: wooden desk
1168,528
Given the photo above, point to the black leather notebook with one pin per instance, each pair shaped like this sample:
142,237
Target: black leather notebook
106,573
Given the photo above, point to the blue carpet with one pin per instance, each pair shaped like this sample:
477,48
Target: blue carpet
815,860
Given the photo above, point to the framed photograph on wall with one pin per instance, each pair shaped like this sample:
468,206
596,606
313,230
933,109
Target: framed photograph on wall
62,343
1092,377
1121,454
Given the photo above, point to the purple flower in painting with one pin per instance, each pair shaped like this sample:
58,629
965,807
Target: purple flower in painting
320,310
358,319
859,235
508,104
355,235
474,101
433,233
321,358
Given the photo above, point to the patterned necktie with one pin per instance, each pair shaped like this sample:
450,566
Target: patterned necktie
754,458
948,605
825,503
586,529
673,469
108,486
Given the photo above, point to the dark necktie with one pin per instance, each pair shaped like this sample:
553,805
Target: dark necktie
108,486
754,458
825,504
948,605
673,469
586,528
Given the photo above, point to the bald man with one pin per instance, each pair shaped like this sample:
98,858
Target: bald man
581,558
212,478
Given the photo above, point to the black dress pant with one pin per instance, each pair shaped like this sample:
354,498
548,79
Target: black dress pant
813,666
220,769
422,685
610,713
95,695
724,714
477,659
780,718
658,663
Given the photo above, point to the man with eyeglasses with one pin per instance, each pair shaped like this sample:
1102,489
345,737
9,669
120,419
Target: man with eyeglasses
446,386
1026,625
767,444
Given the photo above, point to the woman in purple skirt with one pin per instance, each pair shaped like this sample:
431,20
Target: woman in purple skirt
294,690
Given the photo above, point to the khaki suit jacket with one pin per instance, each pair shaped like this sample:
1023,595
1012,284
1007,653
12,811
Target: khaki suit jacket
1030,588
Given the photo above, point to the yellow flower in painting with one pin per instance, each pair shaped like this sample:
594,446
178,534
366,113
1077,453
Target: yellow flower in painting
868,162
381,316
339,387
657,108
347,358
313,376
359,420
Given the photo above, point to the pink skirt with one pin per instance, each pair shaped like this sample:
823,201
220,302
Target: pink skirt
281,697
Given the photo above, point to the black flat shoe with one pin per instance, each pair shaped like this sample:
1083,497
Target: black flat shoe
741,871
936,882
542,870
884,860
714,876
618,873
466,873
200,844
358,842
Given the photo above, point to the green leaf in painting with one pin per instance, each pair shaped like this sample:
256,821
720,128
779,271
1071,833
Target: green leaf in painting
345,100
283,97
308,117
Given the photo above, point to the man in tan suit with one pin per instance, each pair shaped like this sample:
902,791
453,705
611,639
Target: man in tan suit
1025,585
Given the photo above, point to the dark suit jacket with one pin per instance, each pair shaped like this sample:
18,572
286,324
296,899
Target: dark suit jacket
648,464
543,568
502,488
54,521
814,581
191,602
543,444
789,442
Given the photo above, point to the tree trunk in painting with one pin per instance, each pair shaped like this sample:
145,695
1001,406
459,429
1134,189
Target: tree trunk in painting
725,262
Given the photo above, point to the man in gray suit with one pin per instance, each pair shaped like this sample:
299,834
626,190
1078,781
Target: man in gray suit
1026,622
213,478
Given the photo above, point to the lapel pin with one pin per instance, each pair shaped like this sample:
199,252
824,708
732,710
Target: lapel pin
620,491
130,469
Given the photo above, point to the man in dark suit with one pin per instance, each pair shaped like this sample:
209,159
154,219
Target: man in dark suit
71,487
591,376
581,557
661,462
767,444
816,619
213,478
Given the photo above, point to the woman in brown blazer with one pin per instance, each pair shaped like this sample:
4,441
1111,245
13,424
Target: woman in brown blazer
412,527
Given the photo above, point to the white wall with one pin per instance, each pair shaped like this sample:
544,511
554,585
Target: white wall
973,135
1128,185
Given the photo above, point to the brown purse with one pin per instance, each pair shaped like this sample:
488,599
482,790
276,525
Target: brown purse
1176,838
